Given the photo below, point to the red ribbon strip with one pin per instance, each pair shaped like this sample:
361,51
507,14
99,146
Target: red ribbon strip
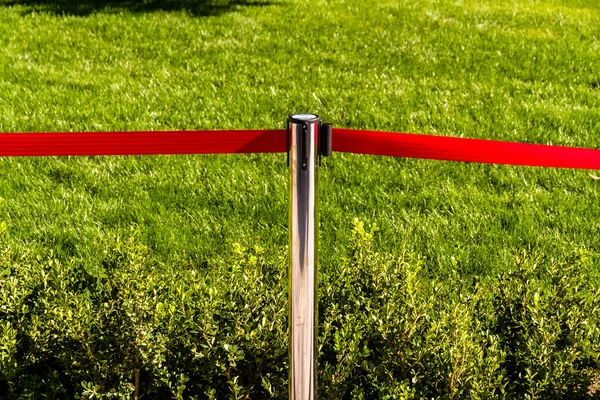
139,143
274,141
461,149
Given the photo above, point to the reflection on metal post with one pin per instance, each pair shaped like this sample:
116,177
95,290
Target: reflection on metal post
302,133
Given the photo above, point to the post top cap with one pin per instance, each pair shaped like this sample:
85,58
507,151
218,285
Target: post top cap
299,118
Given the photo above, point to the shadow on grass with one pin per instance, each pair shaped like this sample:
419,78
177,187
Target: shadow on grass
87,7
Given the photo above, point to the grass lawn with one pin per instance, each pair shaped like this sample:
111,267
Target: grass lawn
515,70
510,70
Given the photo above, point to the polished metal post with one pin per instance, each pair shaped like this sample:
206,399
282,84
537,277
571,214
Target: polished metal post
303,130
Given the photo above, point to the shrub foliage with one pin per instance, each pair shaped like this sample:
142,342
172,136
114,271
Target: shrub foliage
134,328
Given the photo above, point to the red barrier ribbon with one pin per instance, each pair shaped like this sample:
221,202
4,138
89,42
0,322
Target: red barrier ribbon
461,149
274,141
139,143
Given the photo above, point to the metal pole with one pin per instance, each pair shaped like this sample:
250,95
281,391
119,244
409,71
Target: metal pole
303,130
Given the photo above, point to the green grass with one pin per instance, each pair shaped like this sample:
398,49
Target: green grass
510,70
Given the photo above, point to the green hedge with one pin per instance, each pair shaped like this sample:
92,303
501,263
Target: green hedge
386,330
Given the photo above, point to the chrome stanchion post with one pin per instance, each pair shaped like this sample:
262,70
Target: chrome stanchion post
302,146
307,140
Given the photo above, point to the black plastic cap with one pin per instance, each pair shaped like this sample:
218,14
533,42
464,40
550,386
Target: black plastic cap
325,141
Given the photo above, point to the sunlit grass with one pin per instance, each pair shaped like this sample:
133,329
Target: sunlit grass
510,70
